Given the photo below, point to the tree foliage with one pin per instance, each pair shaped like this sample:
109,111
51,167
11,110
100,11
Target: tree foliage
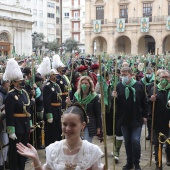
38,40
53,46
71,45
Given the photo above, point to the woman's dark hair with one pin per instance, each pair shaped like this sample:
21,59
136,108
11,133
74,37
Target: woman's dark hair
26,71
78,109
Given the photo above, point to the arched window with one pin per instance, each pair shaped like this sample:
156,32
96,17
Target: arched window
3,37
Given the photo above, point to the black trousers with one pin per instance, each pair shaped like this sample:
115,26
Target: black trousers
17,162
53,130
109,125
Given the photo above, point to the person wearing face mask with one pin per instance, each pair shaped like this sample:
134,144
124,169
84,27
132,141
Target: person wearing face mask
148,82
62,82
86,96
4,140
31,90
82,70
161,113
17,103
52,109
93,74
39,109
131,114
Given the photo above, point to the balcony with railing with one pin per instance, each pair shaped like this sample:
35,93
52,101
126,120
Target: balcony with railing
103,21
75,19
75,7
152,19
75,30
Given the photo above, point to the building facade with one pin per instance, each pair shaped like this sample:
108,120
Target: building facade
15,28
19,19
127,26
46,18
73,19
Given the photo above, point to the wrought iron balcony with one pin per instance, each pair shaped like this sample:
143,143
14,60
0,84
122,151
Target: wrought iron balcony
75,19
103,21
76,7
137,20
75,30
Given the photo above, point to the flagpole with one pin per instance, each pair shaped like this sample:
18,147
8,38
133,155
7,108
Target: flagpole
153,105
103,114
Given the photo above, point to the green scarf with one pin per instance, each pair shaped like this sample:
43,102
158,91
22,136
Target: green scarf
100,79
85,100
160,88
150,80
127,86
166,89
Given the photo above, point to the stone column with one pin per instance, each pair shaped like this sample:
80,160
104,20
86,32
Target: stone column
88,11
110,45
158,42
134,43
88,43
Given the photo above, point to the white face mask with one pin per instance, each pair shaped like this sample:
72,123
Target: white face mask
148,76
125,79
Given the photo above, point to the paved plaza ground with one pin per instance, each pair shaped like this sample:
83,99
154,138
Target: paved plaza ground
145,156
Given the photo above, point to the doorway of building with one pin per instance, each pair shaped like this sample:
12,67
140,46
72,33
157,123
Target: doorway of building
151,47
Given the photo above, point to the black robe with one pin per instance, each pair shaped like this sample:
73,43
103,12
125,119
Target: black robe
131,113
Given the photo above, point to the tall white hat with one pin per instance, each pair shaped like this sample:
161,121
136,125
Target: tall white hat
12,71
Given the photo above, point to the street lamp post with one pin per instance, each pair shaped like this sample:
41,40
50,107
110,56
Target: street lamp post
34,35
62,48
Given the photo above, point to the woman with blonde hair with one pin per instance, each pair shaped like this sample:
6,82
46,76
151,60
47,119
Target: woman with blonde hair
86,96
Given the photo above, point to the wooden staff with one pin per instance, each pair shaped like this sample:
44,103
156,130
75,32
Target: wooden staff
153,105
103,115
114,114
42,135
34,120
69,85
145,94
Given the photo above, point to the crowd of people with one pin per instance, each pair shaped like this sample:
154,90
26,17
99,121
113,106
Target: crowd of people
57,107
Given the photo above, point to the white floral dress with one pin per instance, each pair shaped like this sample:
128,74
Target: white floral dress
88,157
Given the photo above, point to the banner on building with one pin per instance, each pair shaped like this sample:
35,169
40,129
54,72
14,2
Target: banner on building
144,27
97,26
120,25
168,23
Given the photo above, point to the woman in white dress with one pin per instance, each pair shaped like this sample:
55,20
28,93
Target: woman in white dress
72,153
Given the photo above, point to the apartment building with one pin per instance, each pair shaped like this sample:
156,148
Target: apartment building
21,18
73,19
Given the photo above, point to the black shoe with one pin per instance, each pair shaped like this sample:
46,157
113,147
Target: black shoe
137,167
1,167
128,166
148,137
6,165
168,163
158,168
41,147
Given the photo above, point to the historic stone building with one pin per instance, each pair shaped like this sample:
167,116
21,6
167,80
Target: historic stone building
128,26
15,29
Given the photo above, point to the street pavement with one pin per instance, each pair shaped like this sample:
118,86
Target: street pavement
145,155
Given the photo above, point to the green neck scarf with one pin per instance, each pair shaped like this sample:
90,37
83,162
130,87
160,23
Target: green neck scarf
150,80
166,89
55,84
19,91
127,86
85,100
160,88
